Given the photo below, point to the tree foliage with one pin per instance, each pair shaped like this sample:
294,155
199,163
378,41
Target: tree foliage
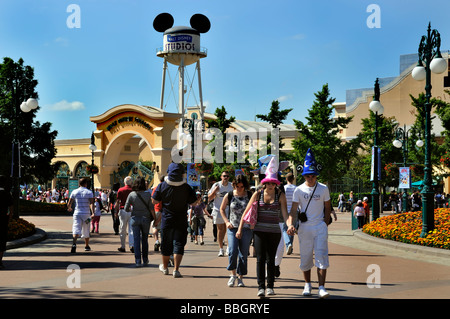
320,133
389,154
275,117
17,84
222,123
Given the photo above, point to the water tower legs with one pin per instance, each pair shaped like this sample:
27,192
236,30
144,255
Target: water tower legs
181,87
200,89
161,103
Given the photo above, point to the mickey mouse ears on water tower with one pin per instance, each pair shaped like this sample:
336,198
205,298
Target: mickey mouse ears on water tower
164,21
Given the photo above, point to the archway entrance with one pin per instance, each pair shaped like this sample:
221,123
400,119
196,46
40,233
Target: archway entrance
134,134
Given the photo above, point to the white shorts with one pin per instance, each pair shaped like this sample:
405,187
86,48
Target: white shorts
313,241
81,225
217,217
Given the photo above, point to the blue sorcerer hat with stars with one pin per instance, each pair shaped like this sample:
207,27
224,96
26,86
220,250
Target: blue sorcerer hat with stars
310,166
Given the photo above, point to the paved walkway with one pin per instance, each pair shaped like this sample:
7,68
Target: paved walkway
43,270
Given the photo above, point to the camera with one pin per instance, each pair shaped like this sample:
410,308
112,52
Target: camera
302,217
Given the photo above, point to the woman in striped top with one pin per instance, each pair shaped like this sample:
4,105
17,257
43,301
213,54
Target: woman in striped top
267,234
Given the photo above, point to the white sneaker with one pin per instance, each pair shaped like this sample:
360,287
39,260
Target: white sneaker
232,281
165,271
240,282
220,252
270,292
307,290
260,293
289,250
177,274
323,293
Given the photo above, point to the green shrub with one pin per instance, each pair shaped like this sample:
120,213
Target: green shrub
39,208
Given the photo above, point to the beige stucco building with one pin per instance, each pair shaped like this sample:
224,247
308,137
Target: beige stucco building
395,98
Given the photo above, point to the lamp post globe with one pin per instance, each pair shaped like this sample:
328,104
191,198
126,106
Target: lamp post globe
419,73
438,65
397,143
419,143
32,103
24,107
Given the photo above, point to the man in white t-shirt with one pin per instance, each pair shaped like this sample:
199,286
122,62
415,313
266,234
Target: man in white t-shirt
84,210
218,192
313,198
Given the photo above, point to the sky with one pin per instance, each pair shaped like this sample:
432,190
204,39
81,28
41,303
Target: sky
91,55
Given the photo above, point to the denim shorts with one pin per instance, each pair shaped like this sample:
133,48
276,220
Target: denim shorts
173,241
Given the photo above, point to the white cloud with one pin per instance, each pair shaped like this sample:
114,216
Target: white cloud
67,106
285,97
299,36
62,41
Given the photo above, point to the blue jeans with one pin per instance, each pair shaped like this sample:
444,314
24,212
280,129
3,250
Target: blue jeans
238,250
141,228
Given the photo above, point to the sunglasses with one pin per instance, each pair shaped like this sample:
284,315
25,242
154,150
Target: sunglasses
225,176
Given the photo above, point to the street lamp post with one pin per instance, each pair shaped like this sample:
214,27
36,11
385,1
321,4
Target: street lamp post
93,148
189,125
376,107
401,141
429,52
29,105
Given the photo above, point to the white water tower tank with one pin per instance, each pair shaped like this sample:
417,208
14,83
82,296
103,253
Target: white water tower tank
181,44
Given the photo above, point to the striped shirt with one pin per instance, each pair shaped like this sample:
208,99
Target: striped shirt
289,191
269,215
81,196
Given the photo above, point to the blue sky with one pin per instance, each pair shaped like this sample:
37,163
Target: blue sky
258,51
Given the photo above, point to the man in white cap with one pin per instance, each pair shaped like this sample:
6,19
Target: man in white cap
313,199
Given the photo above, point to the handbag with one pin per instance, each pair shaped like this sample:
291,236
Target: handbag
146,205
251,216
302,215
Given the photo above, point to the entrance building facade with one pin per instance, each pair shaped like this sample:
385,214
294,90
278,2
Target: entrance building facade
125,136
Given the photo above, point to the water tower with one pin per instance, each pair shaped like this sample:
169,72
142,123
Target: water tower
181,48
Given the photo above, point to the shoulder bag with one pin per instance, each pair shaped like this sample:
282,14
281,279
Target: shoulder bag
251,216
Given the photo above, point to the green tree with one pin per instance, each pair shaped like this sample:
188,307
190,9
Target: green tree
17,84
389,153
275,117
320,133
222,123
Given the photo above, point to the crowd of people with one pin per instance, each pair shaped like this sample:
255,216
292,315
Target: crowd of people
172,210
58,195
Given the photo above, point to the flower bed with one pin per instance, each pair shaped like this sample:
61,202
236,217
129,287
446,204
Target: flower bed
20,228
407,228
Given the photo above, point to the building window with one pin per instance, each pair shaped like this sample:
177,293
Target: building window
447,78
127,148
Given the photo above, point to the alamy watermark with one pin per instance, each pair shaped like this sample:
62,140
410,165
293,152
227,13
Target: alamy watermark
374,279
74,279
374,19
74,19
